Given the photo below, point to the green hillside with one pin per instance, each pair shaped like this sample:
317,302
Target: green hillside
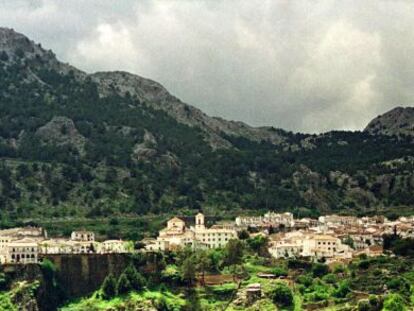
73,153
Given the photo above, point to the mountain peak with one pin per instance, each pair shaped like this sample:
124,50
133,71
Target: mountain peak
17,46
397,121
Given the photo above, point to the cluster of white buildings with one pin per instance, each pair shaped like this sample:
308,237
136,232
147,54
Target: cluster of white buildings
177,235
335,237
330,237
269,219
25,245
308,244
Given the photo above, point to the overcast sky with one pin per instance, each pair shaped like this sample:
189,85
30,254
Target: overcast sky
307,66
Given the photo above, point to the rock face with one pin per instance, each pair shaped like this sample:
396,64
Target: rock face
156,96
398,121
61,131
15,47
147,149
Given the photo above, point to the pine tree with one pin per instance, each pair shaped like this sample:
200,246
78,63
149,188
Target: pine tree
136,280
188,270
109,287
123,286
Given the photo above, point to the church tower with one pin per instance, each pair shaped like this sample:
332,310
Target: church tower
199,221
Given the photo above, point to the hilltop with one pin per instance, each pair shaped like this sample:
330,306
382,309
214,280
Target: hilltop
398,121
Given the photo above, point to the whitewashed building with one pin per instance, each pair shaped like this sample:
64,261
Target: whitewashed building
176,235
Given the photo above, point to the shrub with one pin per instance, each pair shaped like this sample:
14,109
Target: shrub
280,271
330,278
363,305
109,287
342,290
161,303
319,270
364,264
299,264
339,269
48,269
394,302
305,280
282,295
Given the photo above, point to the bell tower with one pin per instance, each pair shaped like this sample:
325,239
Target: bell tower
199,221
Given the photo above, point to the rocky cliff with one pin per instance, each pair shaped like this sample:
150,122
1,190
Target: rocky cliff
398,121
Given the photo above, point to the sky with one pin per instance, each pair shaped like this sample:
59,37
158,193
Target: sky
308,66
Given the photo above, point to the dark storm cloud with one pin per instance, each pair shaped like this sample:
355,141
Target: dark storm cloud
301,65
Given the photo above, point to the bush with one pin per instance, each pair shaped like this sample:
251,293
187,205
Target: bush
280,271
48,269
330,278
282,295
299,264
123,286
319,270
394,302
305,280
109,287
363,305
364,264
342,290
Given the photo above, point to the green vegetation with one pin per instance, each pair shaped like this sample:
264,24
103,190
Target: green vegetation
282,295
85,172
109,287
371,284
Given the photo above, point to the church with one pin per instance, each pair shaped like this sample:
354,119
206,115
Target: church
177,235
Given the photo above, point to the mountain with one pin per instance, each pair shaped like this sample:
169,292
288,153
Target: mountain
398,121
15,47
111,145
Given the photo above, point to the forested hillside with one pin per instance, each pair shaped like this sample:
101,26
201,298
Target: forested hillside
109,145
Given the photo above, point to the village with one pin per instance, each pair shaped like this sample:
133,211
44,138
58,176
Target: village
26,245
329,238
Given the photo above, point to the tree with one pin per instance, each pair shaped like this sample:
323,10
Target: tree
258,244
135,278
282,295
3,56
243,235
237,271
203,263
394,302
319,270
349,241
109,287
342,290
123,286
188,270
233,253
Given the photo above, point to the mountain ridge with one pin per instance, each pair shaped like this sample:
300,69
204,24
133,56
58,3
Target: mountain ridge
76,145
145,89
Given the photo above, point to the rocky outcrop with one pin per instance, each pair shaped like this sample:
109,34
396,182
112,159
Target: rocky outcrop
398,121
17,48
145,150
61,131
156,96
